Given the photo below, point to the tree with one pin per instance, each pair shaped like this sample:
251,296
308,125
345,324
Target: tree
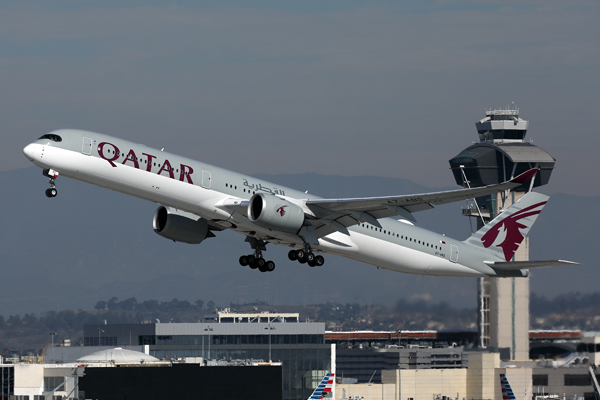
128,305
210,306
112,303
15,321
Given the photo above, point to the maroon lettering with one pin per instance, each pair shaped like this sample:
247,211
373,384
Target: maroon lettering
167,167
150,158
186,172
131,157
113,157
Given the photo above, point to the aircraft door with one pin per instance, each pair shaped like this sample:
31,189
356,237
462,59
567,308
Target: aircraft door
453,253
86,146
206,179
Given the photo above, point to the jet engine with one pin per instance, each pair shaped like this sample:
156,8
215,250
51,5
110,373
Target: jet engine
180,226
272,212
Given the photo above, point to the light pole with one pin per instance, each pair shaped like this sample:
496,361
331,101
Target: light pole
100,331
209,330
52,334
399,332
270,328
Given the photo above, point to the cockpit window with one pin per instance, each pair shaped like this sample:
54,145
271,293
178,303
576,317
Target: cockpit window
50,136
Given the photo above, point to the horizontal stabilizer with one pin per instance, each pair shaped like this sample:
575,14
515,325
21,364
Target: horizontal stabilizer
516,265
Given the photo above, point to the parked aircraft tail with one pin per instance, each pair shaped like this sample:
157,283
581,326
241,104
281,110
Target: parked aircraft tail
507,393
504,234
324,387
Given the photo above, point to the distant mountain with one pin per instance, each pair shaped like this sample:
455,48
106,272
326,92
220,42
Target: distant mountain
90,244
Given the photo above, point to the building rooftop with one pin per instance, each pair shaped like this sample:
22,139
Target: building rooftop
118,355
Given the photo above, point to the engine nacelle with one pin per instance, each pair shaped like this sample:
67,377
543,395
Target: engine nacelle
272,212
180,226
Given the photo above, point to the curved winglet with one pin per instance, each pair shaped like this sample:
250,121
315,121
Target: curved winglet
525,176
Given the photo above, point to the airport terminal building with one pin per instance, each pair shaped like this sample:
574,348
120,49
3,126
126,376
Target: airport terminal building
227,336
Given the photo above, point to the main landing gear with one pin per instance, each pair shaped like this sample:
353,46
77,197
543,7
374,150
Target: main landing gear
52,174
306,256
256,260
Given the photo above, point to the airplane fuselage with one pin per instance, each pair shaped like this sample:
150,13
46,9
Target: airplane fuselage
213,193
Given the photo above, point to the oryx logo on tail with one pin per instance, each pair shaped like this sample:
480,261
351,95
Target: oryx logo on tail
507,233
504,234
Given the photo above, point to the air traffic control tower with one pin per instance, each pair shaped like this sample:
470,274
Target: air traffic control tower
501,154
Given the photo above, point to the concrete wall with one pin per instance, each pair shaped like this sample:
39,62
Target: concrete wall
29,379
480,381
426,384
481,376
368,391
556,381
519,380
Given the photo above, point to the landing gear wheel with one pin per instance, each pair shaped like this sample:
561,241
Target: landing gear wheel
263,268
293,255
301,256
251,260
270,266
310,257
260,262
311,263
319,260
52,192
244,261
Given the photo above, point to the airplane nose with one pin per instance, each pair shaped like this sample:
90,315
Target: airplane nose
32,151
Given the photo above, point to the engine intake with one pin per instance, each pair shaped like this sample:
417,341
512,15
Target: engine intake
272,212
180,226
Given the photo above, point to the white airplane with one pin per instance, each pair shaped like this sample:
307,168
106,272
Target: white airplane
198,199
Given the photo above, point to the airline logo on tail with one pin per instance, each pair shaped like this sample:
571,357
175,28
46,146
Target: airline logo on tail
507,393
324,387
507,233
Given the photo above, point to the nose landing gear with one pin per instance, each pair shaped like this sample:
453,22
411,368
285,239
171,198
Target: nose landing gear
52,174
52,192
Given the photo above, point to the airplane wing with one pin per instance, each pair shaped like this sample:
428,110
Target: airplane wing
337,214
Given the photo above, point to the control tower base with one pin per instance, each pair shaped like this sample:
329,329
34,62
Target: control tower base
504,307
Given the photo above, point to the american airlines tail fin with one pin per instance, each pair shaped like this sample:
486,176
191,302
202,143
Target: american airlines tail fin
504,234
324,387
507,393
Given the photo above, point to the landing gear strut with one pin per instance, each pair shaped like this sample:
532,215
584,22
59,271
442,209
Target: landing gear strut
256,260
52,174
306,256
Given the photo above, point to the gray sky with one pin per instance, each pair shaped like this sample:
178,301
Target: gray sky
337,87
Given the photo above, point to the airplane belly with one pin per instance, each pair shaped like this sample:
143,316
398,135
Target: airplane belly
403,259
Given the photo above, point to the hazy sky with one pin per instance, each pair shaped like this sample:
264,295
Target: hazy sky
384,88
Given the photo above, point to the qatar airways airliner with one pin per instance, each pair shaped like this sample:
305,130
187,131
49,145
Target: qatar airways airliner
197,200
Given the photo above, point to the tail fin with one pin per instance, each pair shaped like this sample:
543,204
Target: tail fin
507,393
324,387
505,233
